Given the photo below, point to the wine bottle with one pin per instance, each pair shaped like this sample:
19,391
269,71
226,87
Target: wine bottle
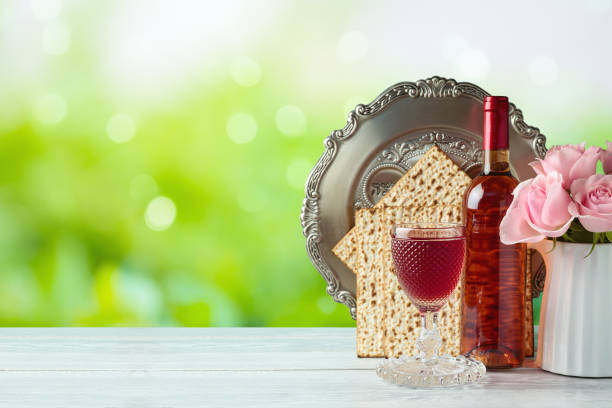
492,317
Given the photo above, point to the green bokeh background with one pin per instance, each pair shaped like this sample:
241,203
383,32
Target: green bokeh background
75,248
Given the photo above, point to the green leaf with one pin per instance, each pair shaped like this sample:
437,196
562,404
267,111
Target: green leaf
568,237
596,236
609,236
554,245
576,226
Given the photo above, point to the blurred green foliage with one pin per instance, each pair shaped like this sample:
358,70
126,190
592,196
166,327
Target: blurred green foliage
75,246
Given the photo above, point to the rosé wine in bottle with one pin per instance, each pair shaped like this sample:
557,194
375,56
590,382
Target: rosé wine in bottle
492,318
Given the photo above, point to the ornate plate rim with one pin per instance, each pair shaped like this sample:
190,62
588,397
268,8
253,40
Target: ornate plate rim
433,87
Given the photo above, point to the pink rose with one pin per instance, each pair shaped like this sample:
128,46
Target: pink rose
593,202
540,209
572,161
606,158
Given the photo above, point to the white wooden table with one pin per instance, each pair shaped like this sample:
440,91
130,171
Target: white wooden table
242,367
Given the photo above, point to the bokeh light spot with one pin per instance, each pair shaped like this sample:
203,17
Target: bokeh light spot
297,172
452,46
543,71
241,128
120,128
352,47
50,109
473,64
143,187
291,121
160,213
245,71
56,38
326,304
46,9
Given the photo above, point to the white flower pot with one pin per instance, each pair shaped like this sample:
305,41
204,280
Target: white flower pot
575,333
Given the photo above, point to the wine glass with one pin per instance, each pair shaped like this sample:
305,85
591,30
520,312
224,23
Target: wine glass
428,260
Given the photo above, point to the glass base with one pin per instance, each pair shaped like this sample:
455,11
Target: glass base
443,371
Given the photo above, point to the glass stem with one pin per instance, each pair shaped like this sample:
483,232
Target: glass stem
429,342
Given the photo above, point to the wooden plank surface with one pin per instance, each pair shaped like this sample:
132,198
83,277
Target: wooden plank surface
242,367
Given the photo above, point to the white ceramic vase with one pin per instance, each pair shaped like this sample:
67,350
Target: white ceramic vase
575,333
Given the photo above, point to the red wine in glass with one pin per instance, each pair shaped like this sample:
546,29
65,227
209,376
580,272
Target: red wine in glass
428,260
428,269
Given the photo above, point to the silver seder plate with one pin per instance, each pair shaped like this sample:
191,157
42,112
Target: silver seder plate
380,142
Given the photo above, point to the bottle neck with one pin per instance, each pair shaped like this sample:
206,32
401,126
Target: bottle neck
495,141
496,162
